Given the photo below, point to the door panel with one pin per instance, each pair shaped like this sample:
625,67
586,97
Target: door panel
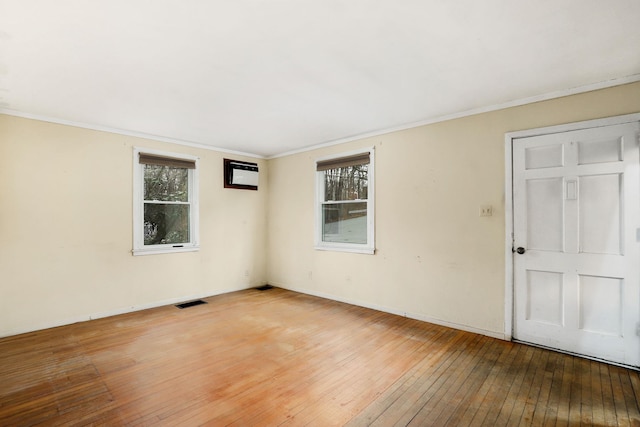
545,297
545,229
601,304
576,198
600,151
599,214
545,156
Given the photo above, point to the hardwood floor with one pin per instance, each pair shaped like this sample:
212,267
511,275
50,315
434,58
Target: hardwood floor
280,358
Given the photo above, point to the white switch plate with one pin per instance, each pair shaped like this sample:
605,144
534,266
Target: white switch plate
486,210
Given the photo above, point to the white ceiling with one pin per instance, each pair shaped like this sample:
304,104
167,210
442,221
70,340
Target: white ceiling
267,77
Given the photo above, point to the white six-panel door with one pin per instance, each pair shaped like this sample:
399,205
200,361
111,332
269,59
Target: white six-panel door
576,220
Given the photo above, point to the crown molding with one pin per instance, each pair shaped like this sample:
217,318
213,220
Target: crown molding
515,103
55,120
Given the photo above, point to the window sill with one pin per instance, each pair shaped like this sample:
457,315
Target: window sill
351,249
164,250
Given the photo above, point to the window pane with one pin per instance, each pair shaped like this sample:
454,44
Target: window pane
166,224
344,223
348,183
166,183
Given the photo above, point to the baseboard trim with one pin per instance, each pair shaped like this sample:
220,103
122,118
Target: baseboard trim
390,310
171,301
116,312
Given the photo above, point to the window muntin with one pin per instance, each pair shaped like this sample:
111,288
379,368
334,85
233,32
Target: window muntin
345,202
165,208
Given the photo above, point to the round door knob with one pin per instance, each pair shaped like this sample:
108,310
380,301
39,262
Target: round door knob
520,250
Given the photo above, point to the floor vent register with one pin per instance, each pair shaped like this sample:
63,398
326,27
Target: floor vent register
190,304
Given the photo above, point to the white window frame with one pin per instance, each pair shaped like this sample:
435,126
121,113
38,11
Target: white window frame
139,248
364,248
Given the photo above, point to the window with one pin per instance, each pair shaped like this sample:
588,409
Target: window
345,210
165,202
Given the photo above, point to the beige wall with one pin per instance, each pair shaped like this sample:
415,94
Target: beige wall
66,229
66,226
436,259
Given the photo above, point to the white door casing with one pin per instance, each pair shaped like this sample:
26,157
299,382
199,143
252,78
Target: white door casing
576,214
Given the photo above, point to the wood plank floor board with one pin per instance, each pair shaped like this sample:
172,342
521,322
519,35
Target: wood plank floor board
548,413
597,389
575,403
364,371
564,398
635,384
499,415
281,358
346,359
518,396
499,393
608,405
537,406
431,412
438,343
486,398
527,402
633,404
400,392
469,388
416,390
585,409
364,383
422,393
364,378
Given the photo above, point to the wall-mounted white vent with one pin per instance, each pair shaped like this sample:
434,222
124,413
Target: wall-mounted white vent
242,176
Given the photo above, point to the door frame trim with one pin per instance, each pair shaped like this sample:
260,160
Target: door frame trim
509,139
